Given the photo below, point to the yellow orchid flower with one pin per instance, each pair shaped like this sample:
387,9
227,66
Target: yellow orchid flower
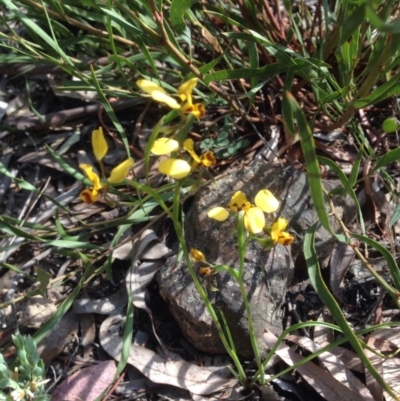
254,218
118,174
185,90
278,235
207,159
179,168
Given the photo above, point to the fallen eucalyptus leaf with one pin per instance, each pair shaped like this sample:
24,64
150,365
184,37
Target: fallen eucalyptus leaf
182,374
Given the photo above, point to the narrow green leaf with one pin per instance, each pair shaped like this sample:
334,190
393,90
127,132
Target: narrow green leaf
351,23
396,216
177,11
36,29
312,165
387,158
382,92
119,19
109,110
287,111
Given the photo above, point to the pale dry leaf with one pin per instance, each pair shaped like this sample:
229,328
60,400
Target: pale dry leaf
386,341
322,381
123,252
391,374
335,366
140,273
182,374
86,384
348,357
375,389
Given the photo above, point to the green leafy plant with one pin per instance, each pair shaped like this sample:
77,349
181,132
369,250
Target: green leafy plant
23,379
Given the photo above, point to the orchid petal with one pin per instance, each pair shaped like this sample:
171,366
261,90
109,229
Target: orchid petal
266,201
162,97
99,143
196,255
208,159
254,220
89,196
91,175
157,93
119,173
175,168
164,146
218,213
238,202
186,89
149,87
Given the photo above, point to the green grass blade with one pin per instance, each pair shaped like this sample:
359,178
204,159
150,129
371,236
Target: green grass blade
177,11
387,158
311,161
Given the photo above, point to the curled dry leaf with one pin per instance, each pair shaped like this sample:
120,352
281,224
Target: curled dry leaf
148,257
182,374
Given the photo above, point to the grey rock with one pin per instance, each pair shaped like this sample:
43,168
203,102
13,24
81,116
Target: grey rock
266,274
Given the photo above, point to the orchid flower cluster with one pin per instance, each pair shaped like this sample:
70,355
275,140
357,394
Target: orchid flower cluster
179,168
185,90
172,166
254,217
118,174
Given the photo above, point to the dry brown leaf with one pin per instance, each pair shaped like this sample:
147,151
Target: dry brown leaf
322,381
182,374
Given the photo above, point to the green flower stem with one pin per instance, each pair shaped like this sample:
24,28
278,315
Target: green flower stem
243,243
102,172
181,238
